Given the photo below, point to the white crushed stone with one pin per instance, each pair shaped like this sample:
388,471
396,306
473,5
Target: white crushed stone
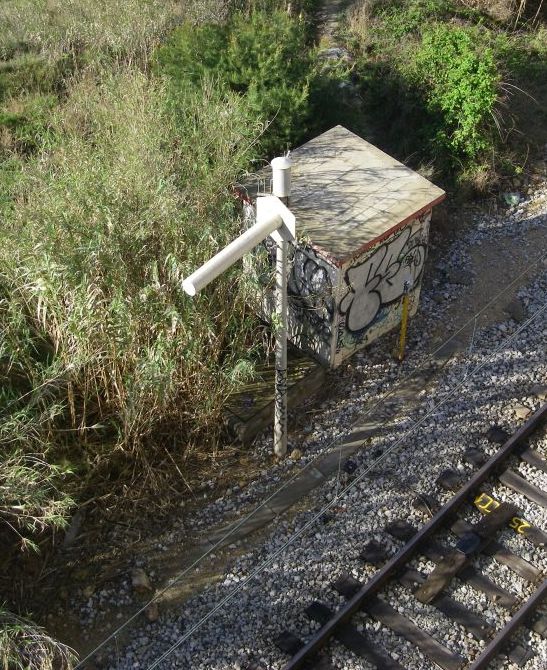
241,634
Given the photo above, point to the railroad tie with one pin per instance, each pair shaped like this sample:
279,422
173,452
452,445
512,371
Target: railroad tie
469,544
348,586
503,555
355,641
532,457
435,552
518,484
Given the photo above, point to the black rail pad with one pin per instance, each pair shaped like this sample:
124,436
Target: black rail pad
374,553
355,641
532,457
490,524
451,608
400,625
497,435
449,479
425,504
519,655
520,485
288,643
401,530
503,555
347,586
453,562
475,456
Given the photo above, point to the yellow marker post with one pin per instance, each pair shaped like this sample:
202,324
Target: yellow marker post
404,322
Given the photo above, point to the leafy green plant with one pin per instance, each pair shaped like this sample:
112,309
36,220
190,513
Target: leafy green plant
462,85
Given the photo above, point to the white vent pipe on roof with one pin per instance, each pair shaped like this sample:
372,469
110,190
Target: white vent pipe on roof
281,177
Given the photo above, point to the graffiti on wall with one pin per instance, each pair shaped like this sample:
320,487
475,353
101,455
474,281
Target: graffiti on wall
311,300
377,280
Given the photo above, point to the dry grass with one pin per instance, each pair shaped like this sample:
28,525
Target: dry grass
25,646
57,27
106,225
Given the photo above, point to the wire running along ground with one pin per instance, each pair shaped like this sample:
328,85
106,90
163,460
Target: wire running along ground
260,568
233,528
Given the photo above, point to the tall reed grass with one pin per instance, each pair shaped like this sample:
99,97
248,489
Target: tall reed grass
133,196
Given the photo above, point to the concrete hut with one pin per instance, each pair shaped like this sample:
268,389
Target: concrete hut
362,223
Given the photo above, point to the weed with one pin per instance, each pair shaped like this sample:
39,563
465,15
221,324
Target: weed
26,646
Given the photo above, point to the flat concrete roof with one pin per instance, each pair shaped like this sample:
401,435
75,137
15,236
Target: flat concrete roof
347,194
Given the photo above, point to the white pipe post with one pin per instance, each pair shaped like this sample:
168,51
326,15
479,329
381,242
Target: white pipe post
280,411
281,188
275,220
232,253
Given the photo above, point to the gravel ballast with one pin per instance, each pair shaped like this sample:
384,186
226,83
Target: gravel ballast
493,377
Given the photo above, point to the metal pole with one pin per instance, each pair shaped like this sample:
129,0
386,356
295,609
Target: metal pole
404,322
280,412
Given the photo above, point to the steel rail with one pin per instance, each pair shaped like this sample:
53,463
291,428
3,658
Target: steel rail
496,644
403,556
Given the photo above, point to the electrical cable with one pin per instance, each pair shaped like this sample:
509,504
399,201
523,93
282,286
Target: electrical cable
336,498
233,528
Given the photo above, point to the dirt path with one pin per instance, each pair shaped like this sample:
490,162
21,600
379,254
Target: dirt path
330,19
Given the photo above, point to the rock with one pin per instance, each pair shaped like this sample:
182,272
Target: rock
350,466
152,612
449,479
336,53
516,310
74,529
497,435
140,581
295,455
521,411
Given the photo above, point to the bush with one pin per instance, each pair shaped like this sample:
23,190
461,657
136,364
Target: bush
263,57
462,86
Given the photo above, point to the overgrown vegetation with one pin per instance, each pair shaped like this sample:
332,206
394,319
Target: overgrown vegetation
441,81
25,646
265,57
123,127
114,184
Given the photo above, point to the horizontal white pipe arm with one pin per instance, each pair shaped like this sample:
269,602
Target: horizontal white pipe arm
230,254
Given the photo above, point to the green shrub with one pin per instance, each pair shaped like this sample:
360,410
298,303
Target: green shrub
461,81
401,18
264,56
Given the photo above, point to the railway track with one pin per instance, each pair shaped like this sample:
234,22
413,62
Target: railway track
453,561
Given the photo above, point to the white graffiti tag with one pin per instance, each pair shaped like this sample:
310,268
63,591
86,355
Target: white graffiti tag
379,280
